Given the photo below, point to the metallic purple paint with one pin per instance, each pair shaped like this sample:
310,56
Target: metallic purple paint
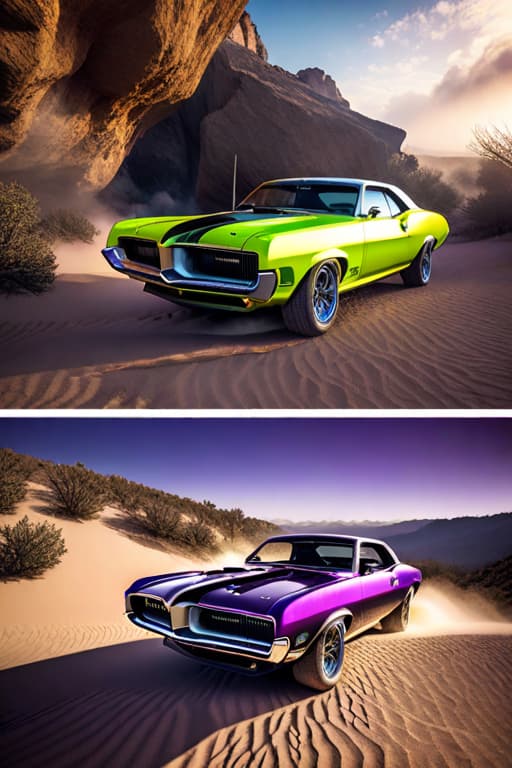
264,614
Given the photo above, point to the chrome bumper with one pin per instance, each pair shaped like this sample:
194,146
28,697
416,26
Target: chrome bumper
275,654
260,289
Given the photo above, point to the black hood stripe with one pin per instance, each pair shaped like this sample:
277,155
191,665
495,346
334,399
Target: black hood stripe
194,229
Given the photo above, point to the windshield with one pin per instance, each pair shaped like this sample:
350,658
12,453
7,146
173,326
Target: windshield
337,555
339,199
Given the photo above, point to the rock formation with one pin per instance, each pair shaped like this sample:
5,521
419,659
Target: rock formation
276,124
80,79
322,83
245,33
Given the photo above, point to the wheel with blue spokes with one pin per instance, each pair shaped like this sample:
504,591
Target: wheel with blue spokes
312,309
418,273
320,668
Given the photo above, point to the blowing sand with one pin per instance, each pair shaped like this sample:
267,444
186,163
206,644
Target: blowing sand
96,341
78,691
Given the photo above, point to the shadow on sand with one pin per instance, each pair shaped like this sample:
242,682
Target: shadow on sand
136,704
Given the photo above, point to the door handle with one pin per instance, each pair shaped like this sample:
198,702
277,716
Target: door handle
393,581
404,225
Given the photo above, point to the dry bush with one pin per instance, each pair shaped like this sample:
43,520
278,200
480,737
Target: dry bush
424,185
67,226
489,213
158,518
29,549
198,535
14,473
27,262
74,491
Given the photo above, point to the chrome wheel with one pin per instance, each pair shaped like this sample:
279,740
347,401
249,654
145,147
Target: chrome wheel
332,651
325,293
426,263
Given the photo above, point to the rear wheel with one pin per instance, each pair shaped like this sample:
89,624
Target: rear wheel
398,619
321,667
418,273
312,309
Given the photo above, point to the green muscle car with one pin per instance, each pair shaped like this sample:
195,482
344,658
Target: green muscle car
297,243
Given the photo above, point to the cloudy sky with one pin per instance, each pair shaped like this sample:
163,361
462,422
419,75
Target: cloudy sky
301,469
435,69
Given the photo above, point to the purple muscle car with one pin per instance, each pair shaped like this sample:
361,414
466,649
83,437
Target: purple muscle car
296,601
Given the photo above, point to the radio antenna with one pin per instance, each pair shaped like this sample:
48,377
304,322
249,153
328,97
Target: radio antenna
234,182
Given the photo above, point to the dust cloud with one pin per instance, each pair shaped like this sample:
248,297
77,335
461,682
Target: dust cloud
441,608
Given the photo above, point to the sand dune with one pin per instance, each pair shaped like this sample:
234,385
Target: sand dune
404,701
97,341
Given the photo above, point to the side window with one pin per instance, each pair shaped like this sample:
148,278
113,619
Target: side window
375,553
393,206
376,198
370,554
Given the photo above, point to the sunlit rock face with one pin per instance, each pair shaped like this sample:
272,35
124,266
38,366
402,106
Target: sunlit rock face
81,79
322,83
276,124
245,33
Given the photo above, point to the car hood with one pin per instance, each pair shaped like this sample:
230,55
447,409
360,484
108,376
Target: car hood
234,229
252,589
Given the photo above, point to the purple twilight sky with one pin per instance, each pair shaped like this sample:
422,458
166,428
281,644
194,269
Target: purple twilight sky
304,468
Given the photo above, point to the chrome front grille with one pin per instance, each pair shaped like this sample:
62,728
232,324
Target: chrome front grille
238,625
141,251
215,262
152,609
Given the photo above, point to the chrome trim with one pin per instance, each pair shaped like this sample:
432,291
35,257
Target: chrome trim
260,290
274,653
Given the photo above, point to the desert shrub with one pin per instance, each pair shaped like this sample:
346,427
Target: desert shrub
67,226
197,535
159,519
489,213
27,262
74,491
14,473
29,549
424,185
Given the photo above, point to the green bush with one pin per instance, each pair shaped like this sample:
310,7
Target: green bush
29,549
74,491
27,262
14,473
67,226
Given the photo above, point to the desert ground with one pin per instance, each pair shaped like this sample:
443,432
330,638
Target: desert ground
82,687
96,341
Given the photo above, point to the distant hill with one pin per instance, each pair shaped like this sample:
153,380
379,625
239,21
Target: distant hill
370,528
467,542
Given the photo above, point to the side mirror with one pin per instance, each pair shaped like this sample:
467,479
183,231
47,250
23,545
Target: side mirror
373,212
254,559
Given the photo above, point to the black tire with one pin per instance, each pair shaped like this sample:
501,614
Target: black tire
312,309
322,665
418,273
398,619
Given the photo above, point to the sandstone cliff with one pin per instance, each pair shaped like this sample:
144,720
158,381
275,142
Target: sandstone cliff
322,83
245,33
276,124
79,79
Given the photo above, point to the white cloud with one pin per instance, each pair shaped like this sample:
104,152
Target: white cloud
378,41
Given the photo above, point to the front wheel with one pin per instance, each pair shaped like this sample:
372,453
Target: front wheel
321,667
418,273
312,309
